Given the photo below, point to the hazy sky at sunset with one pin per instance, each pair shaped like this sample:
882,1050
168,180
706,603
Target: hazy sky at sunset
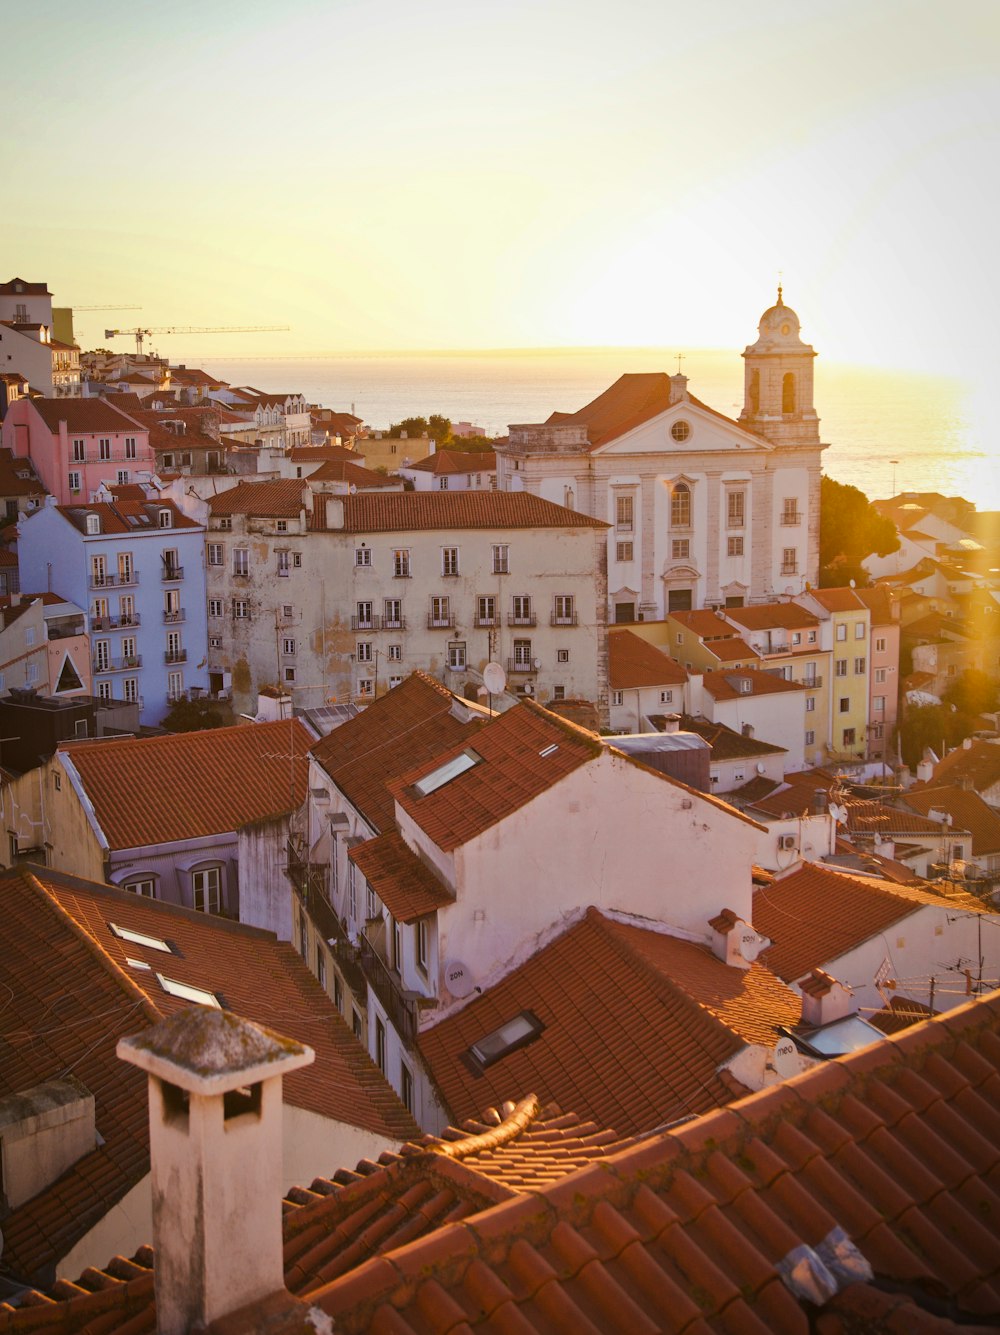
536,173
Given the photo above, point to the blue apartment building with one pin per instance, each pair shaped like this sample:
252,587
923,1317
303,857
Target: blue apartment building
137,565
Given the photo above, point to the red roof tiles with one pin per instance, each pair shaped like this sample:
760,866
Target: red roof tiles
728,683
85,416
283,498
634,662
457,461
407,888
967,810
187,785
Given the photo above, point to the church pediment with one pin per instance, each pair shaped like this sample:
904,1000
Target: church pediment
684,428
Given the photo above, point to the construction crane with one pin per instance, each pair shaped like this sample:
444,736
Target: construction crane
107,308
140,334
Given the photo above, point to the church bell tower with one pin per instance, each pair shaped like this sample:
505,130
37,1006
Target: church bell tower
778,381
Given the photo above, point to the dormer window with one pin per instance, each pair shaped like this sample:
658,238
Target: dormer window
166,519
93,523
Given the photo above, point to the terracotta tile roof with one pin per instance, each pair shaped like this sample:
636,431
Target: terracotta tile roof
85,416
875,817
837,600
968,812
727,744
878,600
73,995
979,763
399,511
411,724
705,624
345,470
773,616
633,662
522,753
724,683
12,483
187,785
317,454
687,1232
404,884
127,515
337,1224
443,462
815,915
753,791
797,794
183,375
280,499
17,286
622,1043
732,650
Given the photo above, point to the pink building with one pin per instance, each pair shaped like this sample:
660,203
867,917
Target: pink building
76,444
884,668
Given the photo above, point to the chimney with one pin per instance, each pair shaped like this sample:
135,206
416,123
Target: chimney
734,941
215,1148
820,801
334,512
43,1131
678,388
671,723
825,1000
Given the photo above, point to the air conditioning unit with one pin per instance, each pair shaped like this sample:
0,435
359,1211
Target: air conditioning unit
786,841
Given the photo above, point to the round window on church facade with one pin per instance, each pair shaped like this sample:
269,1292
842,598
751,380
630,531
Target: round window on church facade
680,430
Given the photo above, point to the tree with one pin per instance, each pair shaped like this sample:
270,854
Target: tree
972,693
413,426
440,428
196,715
936,726
850,528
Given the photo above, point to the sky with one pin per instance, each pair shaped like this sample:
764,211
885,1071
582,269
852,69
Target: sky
533,174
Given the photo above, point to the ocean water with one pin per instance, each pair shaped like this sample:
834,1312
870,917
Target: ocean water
887,430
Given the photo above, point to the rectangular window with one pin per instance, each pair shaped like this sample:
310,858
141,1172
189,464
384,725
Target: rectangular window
789,510
395,653
440,611
241,561
130,447
175,685
392,614
810,704
810,737
406,1086
845,705
522,653
486,610
617,697
283,566
789,560
128,649
859,630
735,508
395,681
880,645
501,559
320,965
849,737
563,611
456,654
562,655
104,448
449,560
558,692
841,631
680,506
241,609
380,1044
365,654
338,993
840,667
520,610
287,647
623,514
102,655
215,607
624,551
442,484
74,481
104,690
680,549
363,620
880,676
216,554
401,563
734,546
811,637
79,452
130,690
207,887
366,687
281,526
288,674
362,556
860,665
878,704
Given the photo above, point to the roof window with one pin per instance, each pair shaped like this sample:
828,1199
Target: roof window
516,1033
451,769
93,523
549,750
188,993
140,939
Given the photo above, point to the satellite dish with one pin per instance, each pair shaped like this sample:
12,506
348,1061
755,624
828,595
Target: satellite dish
751,944
536,663
786,1058
528,688
760,767
494,678
458,979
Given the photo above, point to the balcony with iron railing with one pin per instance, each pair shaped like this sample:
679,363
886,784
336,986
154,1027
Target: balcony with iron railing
815,682
171,573
482,622
123,580
125,664
394,623
400,1006
564,619
366,623
125,622
175,656
171,618
446,621
521,666
528,619
790,518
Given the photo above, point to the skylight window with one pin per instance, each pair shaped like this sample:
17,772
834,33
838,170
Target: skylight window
516,1033
549,750
451,769
188,993
137,964
140,938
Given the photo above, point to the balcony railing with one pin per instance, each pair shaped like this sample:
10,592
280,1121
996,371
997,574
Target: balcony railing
175,656
394,623
521,666
790,518
171,573
115,623
172,618
366,623
564,619
816,681
122,580
125,664
400,1008
529,619
444,622
486,621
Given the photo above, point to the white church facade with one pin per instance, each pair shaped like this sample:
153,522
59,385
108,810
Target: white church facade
704,511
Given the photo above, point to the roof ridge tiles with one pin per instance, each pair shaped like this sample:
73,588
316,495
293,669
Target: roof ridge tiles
524,1115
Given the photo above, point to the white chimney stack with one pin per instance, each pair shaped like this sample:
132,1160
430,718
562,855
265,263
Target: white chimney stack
215,1148
824,999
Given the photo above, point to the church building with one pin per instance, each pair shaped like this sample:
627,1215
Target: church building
704,511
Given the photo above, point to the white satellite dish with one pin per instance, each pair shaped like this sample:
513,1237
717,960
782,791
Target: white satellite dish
494,678
751,944
760,767
786,1058
458,979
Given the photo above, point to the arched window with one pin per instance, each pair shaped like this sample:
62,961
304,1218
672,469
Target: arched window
754,392
680,506
788,393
